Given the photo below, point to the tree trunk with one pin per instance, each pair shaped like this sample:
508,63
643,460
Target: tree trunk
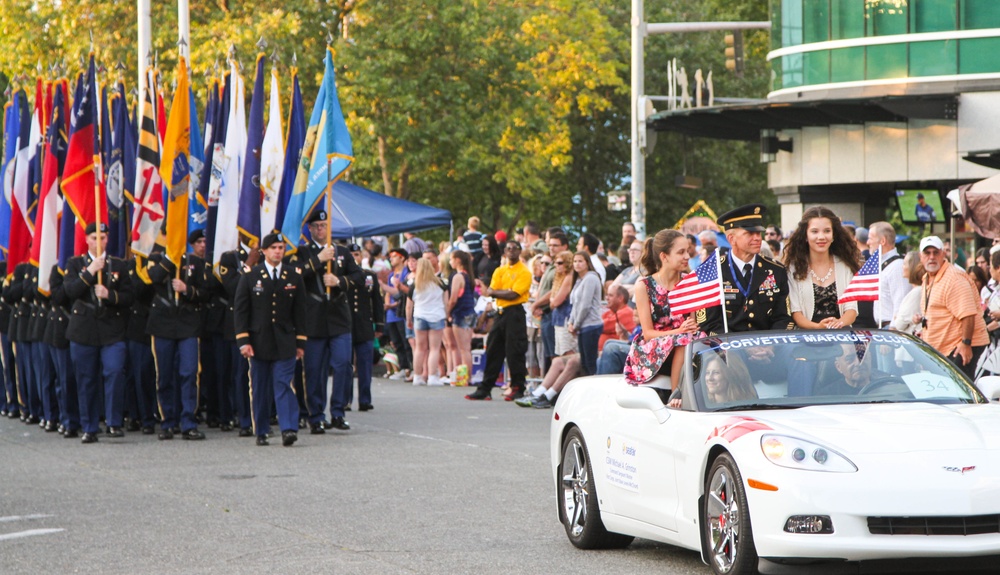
403,189
383,162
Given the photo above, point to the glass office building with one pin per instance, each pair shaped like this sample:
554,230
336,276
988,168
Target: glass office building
817,44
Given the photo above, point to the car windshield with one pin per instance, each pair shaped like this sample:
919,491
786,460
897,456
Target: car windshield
796,369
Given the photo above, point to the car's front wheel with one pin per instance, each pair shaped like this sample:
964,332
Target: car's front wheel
728,535
578,507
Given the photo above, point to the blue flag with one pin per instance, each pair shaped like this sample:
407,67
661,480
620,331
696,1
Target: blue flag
326,155
248,221
197,203
12,129
294,139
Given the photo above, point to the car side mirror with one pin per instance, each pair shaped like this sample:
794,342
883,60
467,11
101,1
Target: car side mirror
642,397
989,386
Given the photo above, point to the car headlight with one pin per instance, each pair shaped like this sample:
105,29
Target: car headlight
797,453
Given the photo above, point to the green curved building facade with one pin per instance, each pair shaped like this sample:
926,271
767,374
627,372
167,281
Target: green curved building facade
829,44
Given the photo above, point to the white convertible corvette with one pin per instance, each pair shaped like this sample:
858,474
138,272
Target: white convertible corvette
790,452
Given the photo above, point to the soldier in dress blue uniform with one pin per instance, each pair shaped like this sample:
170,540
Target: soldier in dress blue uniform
55,337
174,324
10,406
328,271
141,392
235,376
269,316
45,373
101,293
755,288
368,322
14,295
216,358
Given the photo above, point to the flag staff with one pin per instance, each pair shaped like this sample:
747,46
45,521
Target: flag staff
329,183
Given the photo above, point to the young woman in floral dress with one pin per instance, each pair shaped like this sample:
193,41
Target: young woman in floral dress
665,259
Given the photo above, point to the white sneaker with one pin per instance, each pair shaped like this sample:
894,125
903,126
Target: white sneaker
397,376
409,375
446,380
434,380
419,380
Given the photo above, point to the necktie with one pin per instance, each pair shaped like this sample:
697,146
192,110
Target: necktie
746,274
275,274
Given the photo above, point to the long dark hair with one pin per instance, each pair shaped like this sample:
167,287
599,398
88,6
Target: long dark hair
495,252
464,259
656,245
590,268
843,247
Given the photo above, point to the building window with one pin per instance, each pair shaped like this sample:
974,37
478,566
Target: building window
847,19
978,14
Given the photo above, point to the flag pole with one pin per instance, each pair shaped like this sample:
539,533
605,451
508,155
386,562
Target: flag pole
722,294
329,210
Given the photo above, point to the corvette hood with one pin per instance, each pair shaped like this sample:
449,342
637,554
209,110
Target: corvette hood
892,428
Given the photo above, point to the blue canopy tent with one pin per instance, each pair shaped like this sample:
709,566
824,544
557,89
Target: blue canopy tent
359,212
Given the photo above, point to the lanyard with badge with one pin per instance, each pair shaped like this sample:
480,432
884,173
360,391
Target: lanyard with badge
736,279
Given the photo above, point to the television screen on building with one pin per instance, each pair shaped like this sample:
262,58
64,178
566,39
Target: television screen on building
920,206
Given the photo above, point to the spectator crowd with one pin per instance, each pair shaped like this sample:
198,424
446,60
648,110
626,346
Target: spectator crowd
150,346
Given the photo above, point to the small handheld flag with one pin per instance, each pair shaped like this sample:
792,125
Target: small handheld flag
698,289
864,284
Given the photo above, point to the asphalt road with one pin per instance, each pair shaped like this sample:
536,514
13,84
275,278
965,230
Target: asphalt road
426,483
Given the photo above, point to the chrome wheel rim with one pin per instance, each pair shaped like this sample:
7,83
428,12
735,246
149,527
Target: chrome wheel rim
722,512
575,488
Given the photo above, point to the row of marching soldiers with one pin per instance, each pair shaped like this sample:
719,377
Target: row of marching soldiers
132,342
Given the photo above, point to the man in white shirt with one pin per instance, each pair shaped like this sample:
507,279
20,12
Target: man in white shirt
589,243
893,286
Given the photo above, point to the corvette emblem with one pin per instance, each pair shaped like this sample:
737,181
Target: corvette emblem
962,470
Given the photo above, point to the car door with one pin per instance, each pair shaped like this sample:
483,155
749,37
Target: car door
639,459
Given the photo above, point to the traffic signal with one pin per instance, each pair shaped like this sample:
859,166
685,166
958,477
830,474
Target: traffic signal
734,52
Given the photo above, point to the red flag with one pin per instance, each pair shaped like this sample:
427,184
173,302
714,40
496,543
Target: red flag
84,192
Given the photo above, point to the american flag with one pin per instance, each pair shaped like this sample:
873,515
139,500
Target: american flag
698,289
864,285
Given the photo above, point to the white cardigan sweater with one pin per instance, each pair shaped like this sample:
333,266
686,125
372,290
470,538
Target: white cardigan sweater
801,291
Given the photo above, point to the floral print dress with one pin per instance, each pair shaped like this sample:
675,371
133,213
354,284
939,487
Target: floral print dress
646,357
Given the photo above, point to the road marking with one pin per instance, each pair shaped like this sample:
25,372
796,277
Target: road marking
28,533
12,518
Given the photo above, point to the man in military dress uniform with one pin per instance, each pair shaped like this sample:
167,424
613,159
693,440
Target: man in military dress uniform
55,337
269,315
327,270
235,374
174,324
140,393
101,293
369,317
755,288
20,321
10,406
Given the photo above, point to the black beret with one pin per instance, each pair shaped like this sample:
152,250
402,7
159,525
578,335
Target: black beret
317,216
195,236
92,228
271,238
353,248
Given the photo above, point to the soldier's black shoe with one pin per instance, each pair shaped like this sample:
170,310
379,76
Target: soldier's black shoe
316,428
262,440
225,427
365,407
51,426
288,438
89,438
193,434
133,425
347,408
176,430
115,432
148,430
339,423
166,434
246,432
32,419
70,434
